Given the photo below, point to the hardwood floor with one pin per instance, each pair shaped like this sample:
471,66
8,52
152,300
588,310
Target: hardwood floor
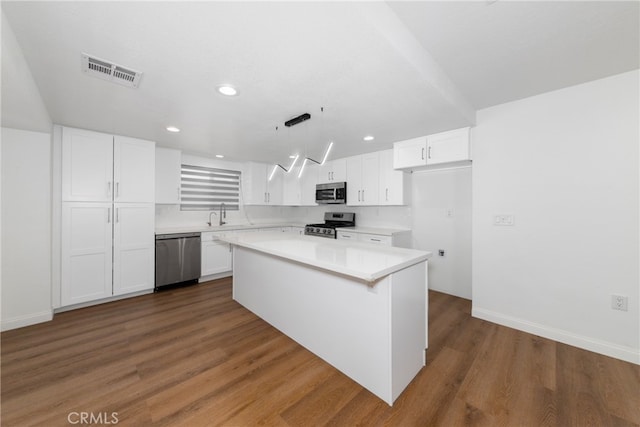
194,357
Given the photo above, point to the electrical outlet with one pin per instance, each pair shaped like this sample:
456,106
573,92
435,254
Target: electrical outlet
503,219
619,302
441,252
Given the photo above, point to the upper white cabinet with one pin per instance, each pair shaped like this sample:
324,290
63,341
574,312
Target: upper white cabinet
363,179
99,167
168,164
393,187
133,170
291,187
308,182
87,166
258,188
333,171
445,147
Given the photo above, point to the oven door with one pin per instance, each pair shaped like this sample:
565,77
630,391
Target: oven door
331,193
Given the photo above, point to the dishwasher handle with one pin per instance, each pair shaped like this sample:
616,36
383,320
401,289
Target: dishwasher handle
176,236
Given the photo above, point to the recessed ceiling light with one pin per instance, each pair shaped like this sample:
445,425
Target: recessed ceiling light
220,156
368,138
227,90
173,129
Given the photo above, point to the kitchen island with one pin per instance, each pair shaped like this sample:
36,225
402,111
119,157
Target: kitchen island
360,307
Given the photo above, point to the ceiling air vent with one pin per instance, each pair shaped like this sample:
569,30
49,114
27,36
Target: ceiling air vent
109,71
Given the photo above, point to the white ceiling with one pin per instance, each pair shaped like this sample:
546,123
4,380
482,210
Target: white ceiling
394,70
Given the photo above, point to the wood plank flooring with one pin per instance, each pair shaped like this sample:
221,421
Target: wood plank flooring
194,357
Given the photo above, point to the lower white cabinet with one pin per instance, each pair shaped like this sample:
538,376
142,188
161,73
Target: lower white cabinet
216,256
107,250
400,239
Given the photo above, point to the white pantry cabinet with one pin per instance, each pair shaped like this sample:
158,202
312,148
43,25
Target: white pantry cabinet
332,171
168,173
363,180
440,148
99,167
107,216
258,189
393,186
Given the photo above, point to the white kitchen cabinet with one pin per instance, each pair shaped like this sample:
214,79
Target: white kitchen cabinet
168,173
393,184
107,216
258,188
86,240
87,166
216,256
363,180
134,168
410,153
376,239
133,247
332,171
100,167
347,235
291,188
445,147
308,182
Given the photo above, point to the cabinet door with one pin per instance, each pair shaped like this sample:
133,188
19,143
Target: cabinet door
354,180
308,182
391,191
339,170
86,256
134,170
445,147
291,188
370,178
274,186
254,184
376,239
216,257
133,247
410,153
168,172
346,235
87,166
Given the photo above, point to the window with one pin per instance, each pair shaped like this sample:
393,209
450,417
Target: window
205,189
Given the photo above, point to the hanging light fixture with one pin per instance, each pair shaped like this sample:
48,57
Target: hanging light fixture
326,153
287,170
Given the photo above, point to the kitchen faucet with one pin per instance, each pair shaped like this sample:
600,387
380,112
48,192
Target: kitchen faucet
212,213
223,213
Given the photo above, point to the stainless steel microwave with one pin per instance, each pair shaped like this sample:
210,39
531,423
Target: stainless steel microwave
331,193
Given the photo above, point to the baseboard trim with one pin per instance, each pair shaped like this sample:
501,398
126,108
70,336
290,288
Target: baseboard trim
616,351
26,320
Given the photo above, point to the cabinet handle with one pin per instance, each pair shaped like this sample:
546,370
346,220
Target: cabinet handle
363,195
332,177
429,153
422,153
117,189
375,240
358,195
265,197
328,176
109,188
386,194
117,215
108,215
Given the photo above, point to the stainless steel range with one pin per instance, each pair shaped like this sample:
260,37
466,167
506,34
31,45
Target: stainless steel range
332,220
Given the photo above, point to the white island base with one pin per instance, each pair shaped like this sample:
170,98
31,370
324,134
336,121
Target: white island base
373,332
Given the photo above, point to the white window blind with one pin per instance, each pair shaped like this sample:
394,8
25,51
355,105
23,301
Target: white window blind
205,189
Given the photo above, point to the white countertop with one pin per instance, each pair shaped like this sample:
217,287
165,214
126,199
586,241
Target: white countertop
359,260
227,227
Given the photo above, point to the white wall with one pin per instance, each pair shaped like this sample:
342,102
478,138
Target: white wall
26,228
441,212
22,105
565,163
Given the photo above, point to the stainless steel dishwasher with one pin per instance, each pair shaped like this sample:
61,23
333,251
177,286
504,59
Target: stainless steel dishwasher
177,258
